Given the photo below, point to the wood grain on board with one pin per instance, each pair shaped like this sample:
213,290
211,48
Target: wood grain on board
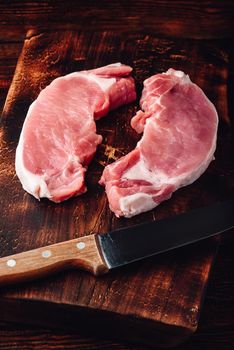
158,300
179,18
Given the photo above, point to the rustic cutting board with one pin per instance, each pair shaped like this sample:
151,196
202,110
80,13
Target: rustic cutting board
157,301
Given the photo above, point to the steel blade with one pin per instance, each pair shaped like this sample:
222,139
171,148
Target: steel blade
127,245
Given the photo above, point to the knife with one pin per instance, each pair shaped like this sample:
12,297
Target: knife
99,253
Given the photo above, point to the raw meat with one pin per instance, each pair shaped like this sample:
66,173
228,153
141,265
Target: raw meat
178,143
59,139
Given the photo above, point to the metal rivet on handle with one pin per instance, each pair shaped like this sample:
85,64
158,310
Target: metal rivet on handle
46,254
11,262
80,245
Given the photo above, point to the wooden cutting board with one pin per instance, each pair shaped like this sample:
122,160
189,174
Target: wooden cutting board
156,301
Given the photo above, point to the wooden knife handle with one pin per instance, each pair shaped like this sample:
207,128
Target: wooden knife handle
81,253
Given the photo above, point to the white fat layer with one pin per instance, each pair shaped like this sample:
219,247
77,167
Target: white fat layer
117,64
32,183
136,203
104,83
139,171
178,73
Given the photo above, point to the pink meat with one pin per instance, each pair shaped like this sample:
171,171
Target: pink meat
59,138
179,126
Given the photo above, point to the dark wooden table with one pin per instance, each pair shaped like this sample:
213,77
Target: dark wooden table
203,20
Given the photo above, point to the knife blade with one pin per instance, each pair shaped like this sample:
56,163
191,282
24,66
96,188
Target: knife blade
99,253
137,242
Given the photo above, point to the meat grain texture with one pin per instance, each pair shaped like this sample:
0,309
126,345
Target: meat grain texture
59,139
179,126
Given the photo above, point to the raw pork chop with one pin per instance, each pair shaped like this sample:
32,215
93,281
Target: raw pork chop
179,140
59,139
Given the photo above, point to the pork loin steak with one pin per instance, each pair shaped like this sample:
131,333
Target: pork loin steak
58,138
179,140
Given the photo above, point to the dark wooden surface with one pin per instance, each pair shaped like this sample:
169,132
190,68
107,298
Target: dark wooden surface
177,18
216,326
